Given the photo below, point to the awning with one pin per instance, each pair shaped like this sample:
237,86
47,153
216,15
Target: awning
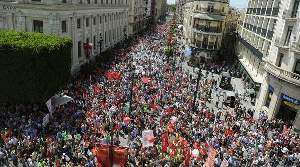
205,16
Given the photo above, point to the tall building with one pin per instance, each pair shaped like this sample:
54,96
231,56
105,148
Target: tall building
160,10
179,10
256,35
269,50
204,26
137,13
93,25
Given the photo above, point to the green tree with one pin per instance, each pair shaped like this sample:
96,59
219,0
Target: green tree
33,66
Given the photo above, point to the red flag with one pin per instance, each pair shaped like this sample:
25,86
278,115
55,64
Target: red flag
169,110
187,156
229,132
113,75
85,94
211,158
165,142
102,154
146,80
97,90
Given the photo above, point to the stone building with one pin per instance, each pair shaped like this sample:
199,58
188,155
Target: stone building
204,26
137,14
160,10
269,51
93,25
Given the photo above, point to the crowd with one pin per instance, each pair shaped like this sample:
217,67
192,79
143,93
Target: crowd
154,93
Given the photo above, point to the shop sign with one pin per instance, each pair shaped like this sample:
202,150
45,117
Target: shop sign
290,99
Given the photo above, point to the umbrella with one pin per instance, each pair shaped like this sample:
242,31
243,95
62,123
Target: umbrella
188,52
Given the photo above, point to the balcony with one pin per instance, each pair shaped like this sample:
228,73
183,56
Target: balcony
295,47
289,17
210,32
282,74
280,44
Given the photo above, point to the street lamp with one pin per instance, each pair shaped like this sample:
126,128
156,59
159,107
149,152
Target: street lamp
133,71
197,85
100,43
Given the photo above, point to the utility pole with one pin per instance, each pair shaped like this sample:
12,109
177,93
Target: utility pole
197,86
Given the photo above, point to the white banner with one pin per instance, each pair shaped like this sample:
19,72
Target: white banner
147,138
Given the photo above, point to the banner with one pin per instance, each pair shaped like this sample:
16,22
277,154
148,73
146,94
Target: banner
210,162
165,142
46,120
103,159
113,75
49,106
147,138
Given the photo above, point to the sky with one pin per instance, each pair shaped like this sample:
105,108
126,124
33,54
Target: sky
233,3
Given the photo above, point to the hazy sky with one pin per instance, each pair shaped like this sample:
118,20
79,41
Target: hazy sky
234,3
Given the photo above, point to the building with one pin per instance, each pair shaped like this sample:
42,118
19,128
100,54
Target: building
93,25
204,26
255,37
269,52
137,14
179,10
160,10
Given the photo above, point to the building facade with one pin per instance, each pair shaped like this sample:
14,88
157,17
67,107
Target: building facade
93,25
204,26
179,10
160,10
269,52
137,14
255,38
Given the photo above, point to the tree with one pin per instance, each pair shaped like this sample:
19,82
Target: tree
33,66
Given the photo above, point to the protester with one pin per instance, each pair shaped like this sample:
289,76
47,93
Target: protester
141,89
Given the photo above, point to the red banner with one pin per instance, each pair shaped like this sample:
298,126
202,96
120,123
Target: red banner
103,159
113,75
165,142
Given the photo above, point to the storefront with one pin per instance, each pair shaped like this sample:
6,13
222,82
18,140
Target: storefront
288,109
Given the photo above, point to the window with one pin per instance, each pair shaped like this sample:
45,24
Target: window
36,0
100,19
78,23
269,97
94,41
288,35
280,59
297,67
95,1
210,8
94,20
79,49
64,26
88,1
295,8
64,1
87,22
38,26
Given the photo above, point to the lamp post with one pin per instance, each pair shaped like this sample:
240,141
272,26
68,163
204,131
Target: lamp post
132,69
100,43
197,85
